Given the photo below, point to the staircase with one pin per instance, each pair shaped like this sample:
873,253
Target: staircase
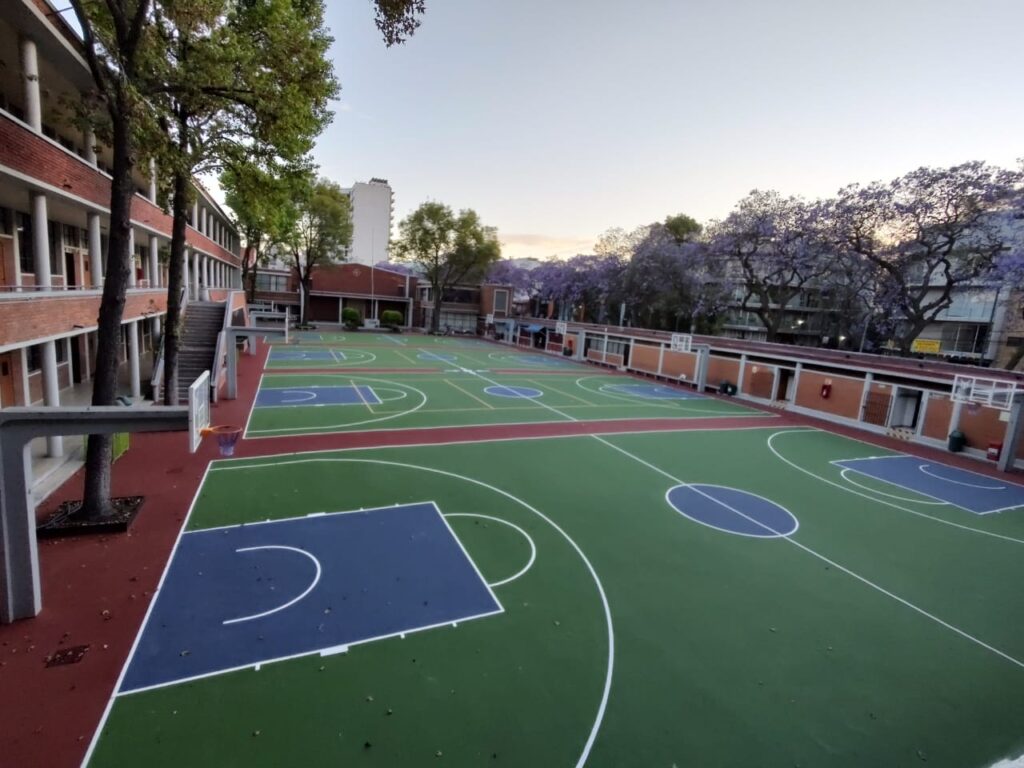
203,322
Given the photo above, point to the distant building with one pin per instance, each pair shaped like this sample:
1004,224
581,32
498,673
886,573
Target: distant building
372,205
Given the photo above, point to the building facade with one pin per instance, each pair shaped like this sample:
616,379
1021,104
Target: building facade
372,204
54,219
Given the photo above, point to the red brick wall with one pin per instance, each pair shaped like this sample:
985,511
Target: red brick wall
28,318
678,364
355,278
722,369
936,417
34,156
644,357
843,400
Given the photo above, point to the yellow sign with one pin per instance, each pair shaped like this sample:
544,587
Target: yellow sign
926,346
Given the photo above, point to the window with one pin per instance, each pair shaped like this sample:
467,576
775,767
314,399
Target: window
501,301
56,248
424,294
23,227
5,221
71,236
34,359
271,283
62,350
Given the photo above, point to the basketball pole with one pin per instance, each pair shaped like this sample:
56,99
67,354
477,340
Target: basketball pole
1008,456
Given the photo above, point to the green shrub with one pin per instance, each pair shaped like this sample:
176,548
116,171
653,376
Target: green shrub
391,318
351,318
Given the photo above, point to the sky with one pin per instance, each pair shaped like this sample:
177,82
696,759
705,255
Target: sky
558,119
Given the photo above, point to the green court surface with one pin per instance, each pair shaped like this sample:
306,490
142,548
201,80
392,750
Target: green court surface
463,398
633,632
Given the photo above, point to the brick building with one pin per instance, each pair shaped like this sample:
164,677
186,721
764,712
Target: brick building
54,210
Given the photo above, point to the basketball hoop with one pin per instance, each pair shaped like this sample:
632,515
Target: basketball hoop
227,436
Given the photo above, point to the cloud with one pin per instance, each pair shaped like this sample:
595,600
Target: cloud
515,246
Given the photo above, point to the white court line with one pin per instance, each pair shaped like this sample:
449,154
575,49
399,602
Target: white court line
361,397
833,563
868,488
876,500
588,746
335,428
340,648
496,384
306,591
308,396
466,392
661,403
529,540
145,621
693,487
924,469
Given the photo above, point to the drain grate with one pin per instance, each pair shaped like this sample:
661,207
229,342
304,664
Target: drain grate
65,656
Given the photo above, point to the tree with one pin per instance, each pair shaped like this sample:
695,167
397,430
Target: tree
584,287
774,252
683,228
323,229
448,248
671,278
263,202
119,48
247,84
506,272
927,233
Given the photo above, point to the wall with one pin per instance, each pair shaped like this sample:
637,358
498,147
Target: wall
355,278
679,364
24,318
644,357
722,369
936,417
844,400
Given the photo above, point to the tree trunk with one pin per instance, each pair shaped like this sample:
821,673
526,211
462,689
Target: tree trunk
251,284
175,282
307,283
435,315
96,501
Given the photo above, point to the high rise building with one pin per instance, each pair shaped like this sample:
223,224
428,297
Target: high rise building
372,205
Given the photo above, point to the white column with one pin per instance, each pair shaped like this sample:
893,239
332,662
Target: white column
90,147
154,262
95,250
205,267
133,359
51,391
40,241
156,333
132,280
184,275
30,74
152,181
195,215
195,275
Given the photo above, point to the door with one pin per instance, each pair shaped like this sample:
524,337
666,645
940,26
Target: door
3,263
782,388
6,381
70,278
876,408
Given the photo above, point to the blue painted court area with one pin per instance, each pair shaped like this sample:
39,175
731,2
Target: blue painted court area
306,355
650,391
974,492
350,395
732,510
245,595
523,393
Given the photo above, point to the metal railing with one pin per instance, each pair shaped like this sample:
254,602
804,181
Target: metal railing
156,380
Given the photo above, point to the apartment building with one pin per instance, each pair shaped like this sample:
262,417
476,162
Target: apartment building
373,206
54,211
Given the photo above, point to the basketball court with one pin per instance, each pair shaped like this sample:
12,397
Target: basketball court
762,594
